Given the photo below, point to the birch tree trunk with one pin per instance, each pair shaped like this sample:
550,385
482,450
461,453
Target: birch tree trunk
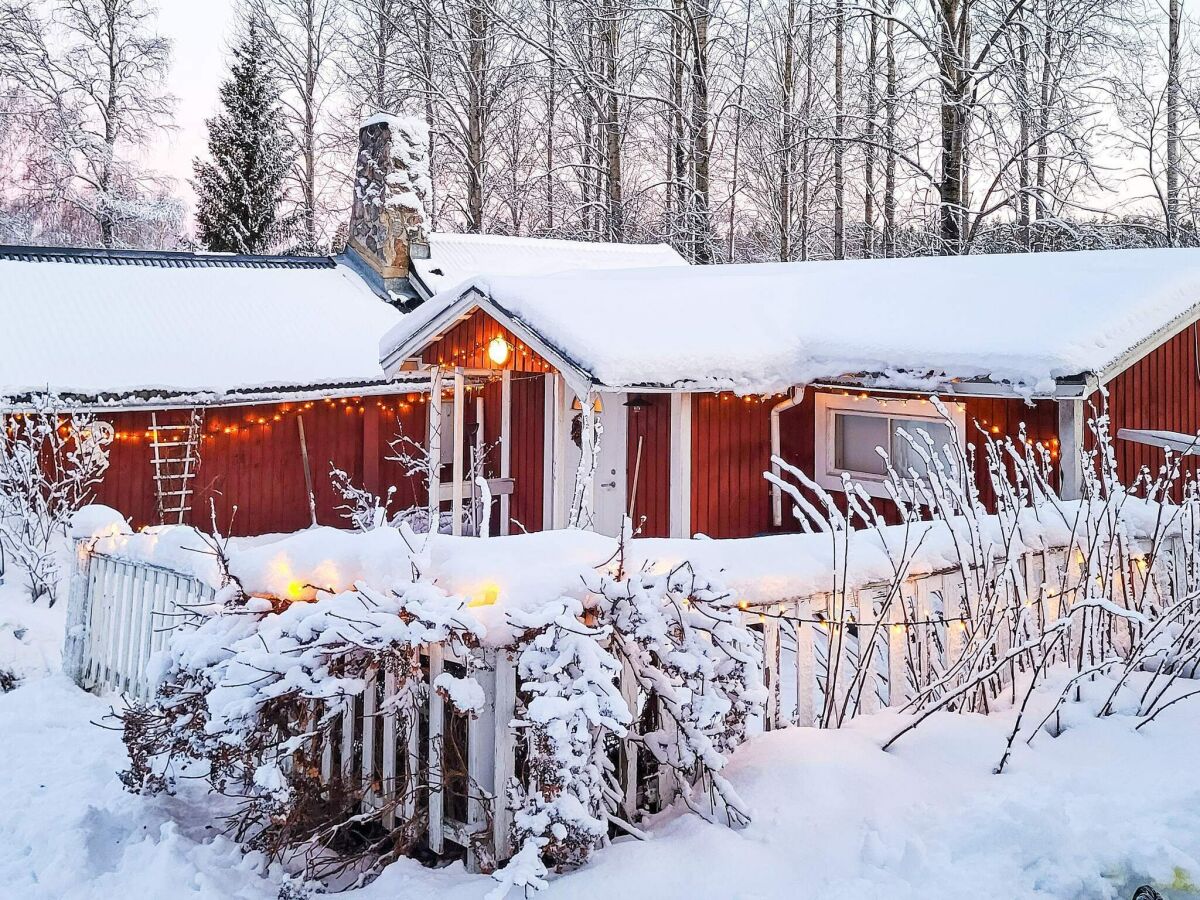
839,130
872,110
1174,15
889,165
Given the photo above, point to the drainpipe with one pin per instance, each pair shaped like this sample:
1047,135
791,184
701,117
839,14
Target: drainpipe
793,400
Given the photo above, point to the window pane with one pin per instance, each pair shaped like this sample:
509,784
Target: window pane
903,455
855,438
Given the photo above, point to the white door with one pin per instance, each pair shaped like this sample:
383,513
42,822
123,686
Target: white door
609,498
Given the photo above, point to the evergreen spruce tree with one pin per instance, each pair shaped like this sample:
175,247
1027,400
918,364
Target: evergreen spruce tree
239,190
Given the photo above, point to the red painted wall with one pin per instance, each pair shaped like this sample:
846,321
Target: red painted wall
1003,417
1161,391
650,420
250,459
528,450
731,448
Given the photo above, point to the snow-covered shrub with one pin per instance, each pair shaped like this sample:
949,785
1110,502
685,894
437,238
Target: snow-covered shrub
50,463
684,643
574,704
252,693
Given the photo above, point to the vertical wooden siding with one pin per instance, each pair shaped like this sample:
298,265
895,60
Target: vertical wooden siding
1161,392
650,421
250,459
465,344
528,448
731,448
1003,417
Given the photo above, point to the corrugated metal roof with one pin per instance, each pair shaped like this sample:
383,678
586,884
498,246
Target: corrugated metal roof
162,259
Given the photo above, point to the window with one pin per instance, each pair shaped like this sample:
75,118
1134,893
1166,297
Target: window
849,431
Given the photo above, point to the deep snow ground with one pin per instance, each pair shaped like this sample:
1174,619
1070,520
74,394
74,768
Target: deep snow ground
1085,816
834,818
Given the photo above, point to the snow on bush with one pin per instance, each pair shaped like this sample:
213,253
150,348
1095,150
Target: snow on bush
570,677
687,646
252,694
692,665
255,693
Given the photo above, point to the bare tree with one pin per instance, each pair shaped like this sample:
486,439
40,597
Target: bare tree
90,74
303,38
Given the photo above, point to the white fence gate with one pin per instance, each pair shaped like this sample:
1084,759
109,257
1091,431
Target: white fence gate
119,615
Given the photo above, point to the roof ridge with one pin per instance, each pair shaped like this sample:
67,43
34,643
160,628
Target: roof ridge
160,258
533,239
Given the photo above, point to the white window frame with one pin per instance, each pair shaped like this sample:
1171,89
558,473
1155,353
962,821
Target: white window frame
828,405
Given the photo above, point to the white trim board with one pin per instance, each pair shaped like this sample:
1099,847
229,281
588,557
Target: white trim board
1187,444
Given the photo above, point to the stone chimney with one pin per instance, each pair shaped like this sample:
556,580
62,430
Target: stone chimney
391,190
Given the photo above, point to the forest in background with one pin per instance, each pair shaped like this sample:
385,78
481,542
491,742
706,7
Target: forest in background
735,130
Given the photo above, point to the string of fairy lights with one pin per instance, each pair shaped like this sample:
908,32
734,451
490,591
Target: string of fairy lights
492,355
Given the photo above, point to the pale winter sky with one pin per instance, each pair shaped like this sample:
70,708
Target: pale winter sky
199,30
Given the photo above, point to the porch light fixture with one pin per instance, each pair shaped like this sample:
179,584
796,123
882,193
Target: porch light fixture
498,350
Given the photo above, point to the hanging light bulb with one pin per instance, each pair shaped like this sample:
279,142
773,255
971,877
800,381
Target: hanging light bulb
498,350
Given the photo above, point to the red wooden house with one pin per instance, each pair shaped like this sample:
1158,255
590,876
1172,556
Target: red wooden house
236,382
698,375
207,367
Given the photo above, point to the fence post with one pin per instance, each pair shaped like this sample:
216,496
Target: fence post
505,746
897,651
771,672
372,787
867,700
805,665
78,608
482,789
437,718
388,780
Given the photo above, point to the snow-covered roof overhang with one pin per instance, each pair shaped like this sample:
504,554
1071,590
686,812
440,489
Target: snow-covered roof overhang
1025,324
147,399
139,326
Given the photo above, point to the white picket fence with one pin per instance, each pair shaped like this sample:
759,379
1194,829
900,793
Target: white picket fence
120,614
907,643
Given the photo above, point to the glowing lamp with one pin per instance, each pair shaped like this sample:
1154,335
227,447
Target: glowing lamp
498,350
486,597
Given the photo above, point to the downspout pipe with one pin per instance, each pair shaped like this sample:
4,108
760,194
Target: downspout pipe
793,400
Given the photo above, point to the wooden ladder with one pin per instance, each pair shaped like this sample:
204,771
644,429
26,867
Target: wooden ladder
176,459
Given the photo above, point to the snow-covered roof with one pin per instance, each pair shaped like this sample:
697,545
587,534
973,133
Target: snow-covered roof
453,258
101,322
1025,319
